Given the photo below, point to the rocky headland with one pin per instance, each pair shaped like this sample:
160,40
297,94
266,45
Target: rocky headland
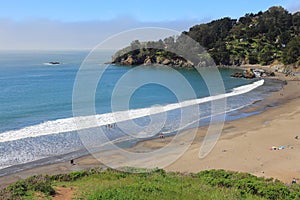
133,60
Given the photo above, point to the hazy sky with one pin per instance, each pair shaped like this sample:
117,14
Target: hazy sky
77,24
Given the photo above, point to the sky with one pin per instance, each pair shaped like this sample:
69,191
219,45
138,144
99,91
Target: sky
82,24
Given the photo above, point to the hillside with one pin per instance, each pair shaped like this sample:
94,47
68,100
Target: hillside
157,184
262,38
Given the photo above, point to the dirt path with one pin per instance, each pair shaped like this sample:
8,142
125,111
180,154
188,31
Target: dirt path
64,193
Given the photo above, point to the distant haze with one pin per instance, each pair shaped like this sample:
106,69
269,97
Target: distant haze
67,24
47,34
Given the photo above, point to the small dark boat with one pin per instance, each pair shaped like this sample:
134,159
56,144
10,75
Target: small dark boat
54,63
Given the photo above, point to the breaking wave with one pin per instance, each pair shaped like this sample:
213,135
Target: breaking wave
69,124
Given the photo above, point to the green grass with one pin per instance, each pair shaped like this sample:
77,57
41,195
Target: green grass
157,184
149,186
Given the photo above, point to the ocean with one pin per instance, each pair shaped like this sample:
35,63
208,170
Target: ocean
36,111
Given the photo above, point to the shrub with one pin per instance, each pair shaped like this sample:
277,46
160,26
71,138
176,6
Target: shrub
249,184
40,183
71,176
19,188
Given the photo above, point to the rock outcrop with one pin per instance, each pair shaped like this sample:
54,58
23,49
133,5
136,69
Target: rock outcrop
237,75
128,61
132,59
166,62
248,73
252,73
148,61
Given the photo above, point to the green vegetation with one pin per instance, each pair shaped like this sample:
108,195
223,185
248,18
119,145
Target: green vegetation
262,38
155,53
156,184
255,38
25,189
291,52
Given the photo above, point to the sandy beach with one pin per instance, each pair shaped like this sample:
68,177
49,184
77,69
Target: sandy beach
244,144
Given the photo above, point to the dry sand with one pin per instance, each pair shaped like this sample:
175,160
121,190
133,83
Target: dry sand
243,146
245,143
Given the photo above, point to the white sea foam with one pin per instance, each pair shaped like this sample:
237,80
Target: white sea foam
69,124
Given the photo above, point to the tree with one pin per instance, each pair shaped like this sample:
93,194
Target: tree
296,21
254,38
291,53
284,37
170,43
220,54
266,55
245,20
253,58
135,45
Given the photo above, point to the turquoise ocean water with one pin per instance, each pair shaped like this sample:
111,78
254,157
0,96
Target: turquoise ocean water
37,98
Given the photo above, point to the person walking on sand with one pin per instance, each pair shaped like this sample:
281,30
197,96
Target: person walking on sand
72,162
161,135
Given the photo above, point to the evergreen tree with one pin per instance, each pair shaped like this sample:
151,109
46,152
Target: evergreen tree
291,53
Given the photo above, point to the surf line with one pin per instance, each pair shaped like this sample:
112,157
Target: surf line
70,124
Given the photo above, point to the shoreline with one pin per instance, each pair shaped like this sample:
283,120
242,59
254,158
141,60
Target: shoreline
231,131
244,145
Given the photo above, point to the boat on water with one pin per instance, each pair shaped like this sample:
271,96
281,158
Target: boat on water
53,63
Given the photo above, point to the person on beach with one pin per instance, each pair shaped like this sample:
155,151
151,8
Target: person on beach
72,162
161,135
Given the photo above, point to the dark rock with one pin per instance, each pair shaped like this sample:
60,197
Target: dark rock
271,74
250,73
237,75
